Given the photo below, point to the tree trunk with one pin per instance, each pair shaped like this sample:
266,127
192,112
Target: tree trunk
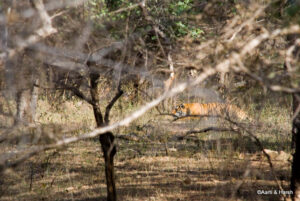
295,178
26,104
95,99
24,109
109,151
106,140
34,99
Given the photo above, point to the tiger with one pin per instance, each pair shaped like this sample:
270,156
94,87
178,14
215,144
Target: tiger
209,109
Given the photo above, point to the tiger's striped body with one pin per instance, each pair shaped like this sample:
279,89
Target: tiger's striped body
209,109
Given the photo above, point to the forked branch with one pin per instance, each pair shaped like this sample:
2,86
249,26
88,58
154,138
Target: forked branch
111,104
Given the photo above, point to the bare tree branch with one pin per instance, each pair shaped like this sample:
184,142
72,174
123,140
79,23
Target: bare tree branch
40,33
205,130
78,93
111,104
261,147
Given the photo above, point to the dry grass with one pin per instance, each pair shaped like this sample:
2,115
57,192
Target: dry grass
208,166
66,112
77,173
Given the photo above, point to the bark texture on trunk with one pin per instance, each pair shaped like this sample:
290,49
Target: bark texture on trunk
106,139
109,151
295,179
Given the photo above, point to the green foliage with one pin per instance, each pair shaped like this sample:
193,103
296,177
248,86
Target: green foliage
293,10
97,9
103,9
196,32
293,13
170,14
113,4
179,7
182,29
288,11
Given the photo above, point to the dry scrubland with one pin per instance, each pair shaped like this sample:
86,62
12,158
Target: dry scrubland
154,165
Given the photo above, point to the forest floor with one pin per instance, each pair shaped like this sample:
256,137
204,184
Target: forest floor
77,173
155,165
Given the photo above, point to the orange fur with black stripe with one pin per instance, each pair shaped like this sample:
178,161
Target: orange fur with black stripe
209,109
